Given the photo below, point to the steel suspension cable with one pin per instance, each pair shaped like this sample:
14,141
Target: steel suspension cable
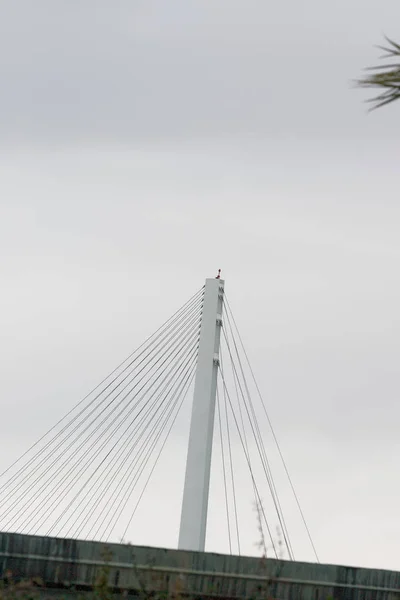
268,470
66,510
193,322
273,432
95,442
198,294
128,444
248,463
231,461
184,395
129,491
224,472
264,464
244,431
146,357
260,444
131,423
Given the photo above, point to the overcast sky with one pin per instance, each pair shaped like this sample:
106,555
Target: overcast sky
143,145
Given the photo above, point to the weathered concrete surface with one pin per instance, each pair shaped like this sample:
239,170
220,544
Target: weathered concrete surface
67,565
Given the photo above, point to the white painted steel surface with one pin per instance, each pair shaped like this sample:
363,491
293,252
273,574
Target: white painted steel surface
192,534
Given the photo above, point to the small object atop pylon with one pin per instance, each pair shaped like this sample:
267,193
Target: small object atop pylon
219,274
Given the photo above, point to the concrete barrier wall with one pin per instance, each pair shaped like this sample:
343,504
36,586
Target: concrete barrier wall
67,564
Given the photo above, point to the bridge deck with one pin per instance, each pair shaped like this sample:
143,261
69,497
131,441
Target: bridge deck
68,564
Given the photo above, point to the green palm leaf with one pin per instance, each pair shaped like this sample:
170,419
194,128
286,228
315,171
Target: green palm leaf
385,77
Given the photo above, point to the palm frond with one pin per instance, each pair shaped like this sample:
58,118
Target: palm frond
386,77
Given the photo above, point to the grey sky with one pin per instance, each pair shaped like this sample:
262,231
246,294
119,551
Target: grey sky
145,144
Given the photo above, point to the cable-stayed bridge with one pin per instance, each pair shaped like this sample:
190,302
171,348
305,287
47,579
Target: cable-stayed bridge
81,486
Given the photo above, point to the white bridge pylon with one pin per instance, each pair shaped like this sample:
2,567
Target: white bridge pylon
192,533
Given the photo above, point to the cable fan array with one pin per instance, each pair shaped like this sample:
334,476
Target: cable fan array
83,476
239,425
